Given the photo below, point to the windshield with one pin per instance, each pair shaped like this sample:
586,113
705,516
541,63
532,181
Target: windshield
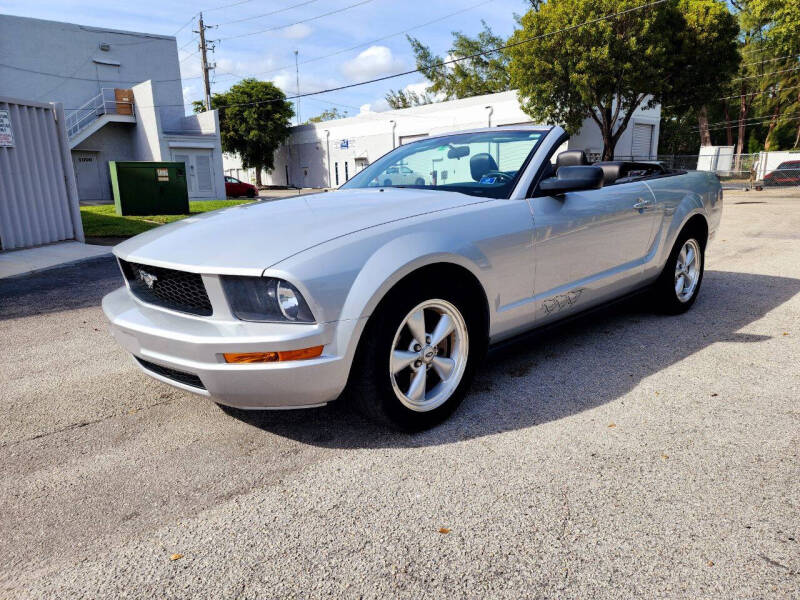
480,164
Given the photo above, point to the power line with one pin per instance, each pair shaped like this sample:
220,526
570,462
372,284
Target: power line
185,25
369,43
766,74
268,14
93,79
287,66
460,58
732,122
779,120
333,12
226,5
791,87
194,39
443,62
761,62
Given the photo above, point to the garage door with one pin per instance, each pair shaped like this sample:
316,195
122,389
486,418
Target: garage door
642,141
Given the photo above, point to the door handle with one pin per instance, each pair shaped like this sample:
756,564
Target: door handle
641,204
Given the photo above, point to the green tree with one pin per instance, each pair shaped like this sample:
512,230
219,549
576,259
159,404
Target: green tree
407,98
709,58
254,119
605,69
329,114
773,27
484,74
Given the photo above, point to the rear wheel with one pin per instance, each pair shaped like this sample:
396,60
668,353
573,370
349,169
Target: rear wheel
679,283
417,357
251,193
419,181
387,182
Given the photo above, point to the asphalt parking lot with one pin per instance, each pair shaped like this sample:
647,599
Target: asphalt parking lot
626,455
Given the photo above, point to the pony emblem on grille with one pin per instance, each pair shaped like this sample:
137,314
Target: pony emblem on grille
148,278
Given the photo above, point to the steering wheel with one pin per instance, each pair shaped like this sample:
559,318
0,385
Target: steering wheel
504,177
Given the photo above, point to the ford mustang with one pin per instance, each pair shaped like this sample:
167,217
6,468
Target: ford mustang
390,295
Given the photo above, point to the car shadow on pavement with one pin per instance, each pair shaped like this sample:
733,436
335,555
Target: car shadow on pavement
563,371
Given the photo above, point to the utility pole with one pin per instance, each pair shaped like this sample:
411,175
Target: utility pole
205,66
297,101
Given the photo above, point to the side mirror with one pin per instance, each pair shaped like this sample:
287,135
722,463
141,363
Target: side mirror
573,179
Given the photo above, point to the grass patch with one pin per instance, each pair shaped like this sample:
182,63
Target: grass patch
102,221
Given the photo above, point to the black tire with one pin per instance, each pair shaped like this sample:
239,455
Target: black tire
419,181
251,193
387,182
665,295
370,387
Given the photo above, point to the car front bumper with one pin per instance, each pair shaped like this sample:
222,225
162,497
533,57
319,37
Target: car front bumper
195,346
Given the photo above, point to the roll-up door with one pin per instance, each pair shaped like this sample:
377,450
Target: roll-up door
642,141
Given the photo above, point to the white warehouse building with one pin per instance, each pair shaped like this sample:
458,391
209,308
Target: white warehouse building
327,154
122,97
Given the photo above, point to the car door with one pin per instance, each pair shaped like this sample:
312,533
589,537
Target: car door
589,246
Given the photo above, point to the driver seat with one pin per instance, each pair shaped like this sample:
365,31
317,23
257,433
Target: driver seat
480,164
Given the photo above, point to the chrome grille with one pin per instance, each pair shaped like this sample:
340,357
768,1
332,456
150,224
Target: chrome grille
176,290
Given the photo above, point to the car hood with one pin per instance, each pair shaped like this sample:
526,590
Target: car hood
248,238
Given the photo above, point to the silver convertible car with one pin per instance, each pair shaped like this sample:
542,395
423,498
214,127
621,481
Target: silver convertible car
390,295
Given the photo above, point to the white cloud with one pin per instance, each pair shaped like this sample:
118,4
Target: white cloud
297,31
372,62
286,80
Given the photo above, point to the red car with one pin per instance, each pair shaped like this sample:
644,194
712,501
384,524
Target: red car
787,173
235,188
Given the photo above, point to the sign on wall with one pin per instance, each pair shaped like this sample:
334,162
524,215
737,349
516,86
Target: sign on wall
6,134
344,144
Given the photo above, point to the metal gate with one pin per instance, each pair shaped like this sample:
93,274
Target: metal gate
38,194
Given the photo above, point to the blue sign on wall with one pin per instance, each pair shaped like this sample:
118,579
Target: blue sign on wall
344,144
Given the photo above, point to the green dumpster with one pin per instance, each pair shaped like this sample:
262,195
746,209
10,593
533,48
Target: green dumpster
149,188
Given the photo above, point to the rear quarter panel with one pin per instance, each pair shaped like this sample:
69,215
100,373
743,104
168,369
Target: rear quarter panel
679,198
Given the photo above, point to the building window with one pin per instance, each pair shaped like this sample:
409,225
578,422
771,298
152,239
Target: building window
336,171
346,176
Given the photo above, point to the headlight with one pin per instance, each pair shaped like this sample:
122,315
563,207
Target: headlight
265,299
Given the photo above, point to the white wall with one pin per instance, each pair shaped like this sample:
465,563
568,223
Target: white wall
37,47
312,147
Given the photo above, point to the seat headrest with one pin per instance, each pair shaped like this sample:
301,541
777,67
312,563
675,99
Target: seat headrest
612,170
480,164
571,158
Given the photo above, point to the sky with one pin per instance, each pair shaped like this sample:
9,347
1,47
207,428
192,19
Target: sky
364,39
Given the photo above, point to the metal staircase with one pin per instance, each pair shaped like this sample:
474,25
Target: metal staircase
110,105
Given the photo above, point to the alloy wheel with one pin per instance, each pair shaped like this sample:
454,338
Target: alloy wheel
687,270
428,355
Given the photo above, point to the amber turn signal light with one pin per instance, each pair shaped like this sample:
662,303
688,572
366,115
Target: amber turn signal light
262,357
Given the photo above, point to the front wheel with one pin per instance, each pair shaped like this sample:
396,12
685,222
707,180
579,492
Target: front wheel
417,357
679,283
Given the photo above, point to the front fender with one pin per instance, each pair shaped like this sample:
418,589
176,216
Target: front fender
400,257
367,266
